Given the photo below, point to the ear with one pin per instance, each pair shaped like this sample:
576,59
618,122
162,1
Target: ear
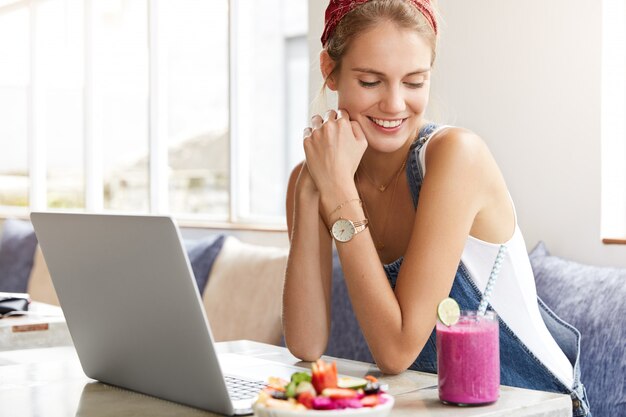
326,67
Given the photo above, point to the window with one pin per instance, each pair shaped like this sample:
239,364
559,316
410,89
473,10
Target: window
614,119
14,104
188,107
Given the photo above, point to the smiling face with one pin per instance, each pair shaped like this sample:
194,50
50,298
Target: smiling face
384,83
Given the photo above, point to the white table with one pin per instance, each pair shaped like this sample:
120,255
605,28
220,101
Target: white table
49,382
43,326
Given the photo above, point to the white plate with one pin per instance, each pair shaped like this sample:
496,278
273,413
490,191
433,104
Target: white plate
378,411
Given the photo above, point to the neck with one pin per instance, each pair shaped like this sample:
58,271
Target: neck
383,166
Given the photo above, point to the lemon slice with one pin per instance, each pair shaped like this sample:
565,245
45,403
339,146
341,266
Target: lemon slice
448,311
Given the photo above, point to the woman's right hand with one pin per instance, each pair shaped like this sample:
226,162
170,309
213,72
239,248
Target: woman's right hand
333,147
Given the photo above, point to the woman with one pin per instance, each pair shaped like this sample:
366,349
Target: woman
366,166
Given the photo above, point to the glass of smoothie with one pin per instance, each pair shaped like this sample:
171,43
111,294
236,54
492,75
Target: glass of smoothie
468,359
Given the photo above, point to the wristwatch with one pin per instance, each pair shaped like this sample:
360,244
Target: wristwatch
343,230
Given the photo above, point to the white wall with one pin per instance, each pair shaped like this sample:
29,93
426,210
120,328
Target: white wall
525,75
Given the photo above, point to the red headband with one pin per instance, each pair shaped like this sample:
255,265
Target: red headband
337,9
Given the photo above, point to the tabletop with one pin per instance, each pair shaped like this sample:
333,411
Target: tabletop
49,382
42,326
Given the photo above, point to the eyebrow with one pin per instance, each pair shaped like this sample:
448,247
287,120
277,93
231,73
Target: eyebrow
373,71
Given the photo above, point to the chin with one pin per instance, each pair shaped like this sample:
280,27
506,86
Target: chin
386,145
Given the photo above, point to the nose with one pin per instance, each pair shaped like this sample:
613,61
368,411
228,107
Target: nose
393,100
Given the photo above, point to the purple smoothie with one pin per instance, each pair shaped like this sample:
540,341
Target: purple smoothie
468,360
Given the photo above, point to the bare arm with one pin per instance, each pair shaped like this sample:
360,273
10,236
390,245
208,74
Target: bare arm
397,324
307,287
458,189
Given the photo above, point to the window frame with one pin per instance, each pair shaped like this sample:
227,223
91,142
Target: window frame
157,129
613,126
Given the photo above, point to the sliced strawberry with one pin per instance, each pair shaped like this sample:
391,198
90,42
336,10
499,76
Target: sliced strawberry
339,393
370,400
323,375
306,399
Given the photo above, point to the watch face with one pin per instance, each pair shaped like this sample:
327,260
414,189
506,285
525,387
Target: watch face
343,230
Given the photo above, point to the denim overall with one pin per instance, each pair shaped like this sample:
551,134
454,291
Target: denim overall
518,365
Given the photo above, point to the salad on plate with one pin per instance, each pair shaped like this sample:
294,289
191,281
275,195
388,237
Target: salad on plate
322,390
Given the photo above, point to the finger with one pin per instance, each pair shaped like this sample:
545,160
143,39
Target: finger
316,121
343,114
307,132
357,131
331,115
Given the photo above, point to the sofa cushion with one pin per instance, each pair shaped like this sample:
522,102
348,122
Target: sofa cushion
17,249
591,298
243,298
40,285
202,254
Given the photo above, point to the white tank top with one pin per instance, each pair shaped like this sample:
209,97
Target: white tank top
514,296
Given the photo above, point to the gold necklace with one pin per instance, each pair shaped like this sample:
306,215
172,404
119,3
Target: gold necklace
383,187
381,242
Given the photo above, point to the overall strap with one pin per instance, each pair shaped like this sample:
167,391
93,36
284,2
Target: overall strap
414,172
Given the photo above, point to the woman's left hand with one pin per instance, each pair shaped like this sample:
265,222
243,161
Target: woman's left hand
334,148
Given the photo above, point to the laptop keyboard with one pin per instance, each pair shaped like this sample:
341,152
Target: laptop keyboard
241,389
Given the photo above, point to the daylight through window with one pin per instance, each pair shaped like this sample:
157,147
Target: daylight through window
187,107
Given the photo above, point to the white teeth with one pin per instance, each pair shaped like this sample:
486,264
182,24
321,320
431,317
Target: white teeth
387,123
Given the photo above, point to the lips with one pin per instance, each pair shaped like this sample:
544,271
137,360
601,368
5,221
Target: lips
387,123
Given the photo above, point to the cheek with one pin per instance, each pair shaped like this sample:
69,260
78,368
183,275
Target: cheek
352,97
356,100
420,101
353,107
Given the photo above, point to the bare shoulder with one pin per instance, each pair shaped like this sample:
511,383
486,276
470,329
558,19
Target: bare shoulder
462,157
459,148
457,141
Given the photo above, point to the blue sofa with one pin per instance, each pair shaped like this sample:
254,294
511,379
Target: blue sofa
591,298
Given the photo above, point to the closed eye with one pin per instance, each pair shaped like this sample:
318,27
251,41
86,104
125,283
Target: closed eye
414,85
368,84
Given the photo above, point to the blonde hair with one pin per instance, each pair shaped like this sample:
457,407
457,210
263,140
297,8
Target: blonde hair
367,15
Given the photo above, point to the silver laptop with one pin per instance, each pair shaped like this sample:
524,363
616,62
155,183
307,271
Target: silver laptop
135,314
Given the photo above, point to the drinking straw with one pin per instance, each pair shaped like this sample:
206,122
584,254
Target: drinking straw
482,307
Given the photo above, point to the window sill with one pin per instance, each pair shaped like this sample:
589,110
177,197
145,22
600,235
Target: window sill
194,224
611,241
257,227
